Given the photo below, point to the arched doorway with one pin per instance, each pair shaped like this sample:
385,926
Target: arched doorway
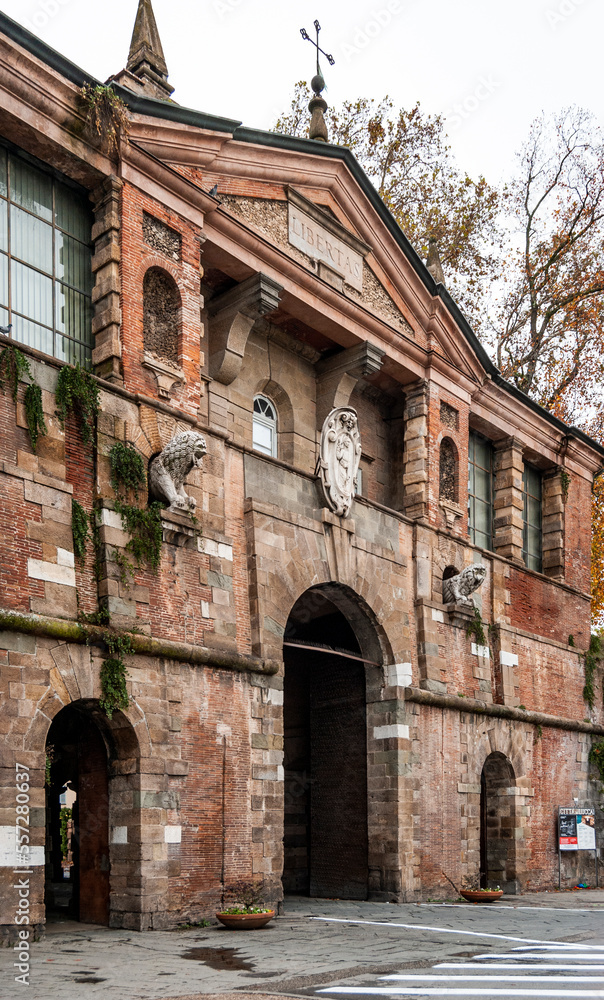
498,823
327,637
77,818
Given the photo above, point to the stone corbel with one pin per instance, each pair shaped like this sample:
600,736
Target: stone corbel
231,318
337,376
167,375
451,511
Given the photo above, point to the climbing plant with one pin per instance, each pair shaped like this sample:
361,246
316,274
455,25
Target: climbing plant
15,368
596,757
34,413
127,469
66,815
143,524
78,393
114,673
591,658
475,629
565,483
79,528
106,115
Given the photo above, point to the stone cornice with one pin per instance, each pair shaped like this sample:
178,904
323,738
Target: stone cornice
144,645
472,706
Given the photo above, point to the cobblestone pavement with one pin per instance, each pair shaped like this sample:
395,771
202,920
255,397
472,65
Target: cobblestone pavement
314,943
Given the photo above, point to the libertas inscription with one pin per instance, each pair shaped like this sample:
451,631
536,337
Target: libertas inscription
319,235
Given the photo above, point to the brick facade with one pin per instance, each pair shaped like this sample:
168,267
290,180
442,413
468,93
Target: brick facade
222,766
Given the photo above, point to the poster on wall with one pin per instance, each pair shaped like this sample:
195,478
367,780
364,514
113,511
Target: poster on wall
576,828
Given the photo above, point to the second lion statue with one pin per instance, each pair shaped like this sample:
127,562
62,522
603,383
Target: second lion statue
168,471
457,589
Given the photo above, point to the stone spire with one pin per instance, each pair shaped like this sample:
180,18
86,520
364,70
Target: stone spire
433,262
146,59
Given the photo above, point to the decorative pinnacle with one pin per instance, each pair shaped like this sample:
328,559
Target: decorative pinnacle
317,105
146,59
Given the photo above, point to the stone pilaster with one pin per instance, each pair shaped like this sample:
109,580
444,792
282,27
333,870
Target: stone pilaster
552,525
415,457
106,321
508,499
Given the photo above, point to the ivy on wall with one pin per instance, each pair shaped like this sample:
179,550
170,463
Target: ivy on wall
15,368
106,116
143,524
78,393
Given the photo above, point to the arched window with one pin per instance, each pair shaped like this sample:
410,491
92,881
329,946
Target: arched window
264,426
448,471
161,314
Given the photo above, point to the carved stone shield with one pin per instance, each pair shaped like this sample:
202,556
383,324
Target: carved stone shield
340,456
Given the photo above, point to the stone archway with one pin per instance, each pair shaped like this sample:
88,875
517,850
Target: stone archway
498,821
91,776
332,655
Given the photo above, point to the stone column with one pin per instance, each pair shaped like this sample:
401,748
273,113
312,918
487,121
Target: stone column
415,456
508,499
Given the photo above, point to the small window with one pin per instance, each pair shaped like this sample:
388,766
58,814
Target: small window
531,533
264,426
480,491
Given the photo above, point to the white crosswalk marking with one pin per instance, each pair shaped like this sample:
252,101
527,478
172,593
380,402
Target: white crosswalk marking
525,968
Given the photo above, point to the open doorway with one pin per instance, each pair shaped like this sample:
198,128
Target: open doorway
325,752
77,818
498,824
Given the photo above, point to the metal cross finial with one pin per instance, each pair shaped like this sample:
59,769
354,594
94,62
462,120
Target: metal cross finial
307,38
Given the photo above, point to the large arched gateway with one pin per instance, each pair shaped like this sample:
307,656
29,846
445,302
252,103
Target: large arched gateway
332,667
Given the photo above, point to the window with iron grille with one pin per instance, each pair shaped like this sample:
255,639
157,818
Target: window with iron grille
45,259
480,491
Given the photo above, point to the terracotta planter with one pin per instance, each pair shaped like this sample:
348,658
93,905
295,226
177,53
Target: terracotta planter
474,896
245,921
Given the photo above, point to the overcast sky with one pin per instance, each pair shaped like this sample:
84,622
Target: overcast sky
490,68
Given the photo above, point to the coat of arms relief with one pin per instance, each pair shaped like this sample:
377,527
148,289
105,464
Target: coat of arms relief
339,459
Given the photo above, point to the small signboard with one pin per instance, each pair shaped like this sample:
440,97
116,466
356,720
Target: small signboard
577,828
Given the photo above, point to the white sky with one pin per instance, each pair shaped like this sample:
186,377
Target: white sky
501,62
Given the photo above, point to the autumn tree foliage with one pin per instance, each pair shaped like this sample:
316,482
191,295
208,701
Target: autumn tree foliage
406,156
547,331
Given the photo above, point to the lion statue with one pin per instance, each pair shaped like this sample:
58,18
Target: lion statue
457,589
171,467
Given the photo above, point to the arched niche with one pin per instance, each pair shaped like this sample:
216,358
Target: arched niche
448,482
161,315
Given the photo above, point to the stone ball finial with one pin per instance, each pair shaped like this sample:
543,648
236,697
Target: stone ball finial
318,83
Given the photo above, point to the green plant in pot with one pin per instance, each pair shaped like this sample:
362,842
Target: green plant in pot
247,910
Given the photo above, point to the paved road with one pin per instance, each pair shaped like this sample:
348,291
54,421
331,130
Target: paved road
320,945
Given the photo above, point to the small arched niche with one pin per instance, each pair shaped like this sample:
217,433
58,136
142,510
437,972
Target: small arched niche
161,314
448,468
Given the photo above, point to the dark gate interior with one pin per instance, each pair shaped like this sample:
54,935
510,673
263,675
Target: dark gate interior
325,756
77,859
497,824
